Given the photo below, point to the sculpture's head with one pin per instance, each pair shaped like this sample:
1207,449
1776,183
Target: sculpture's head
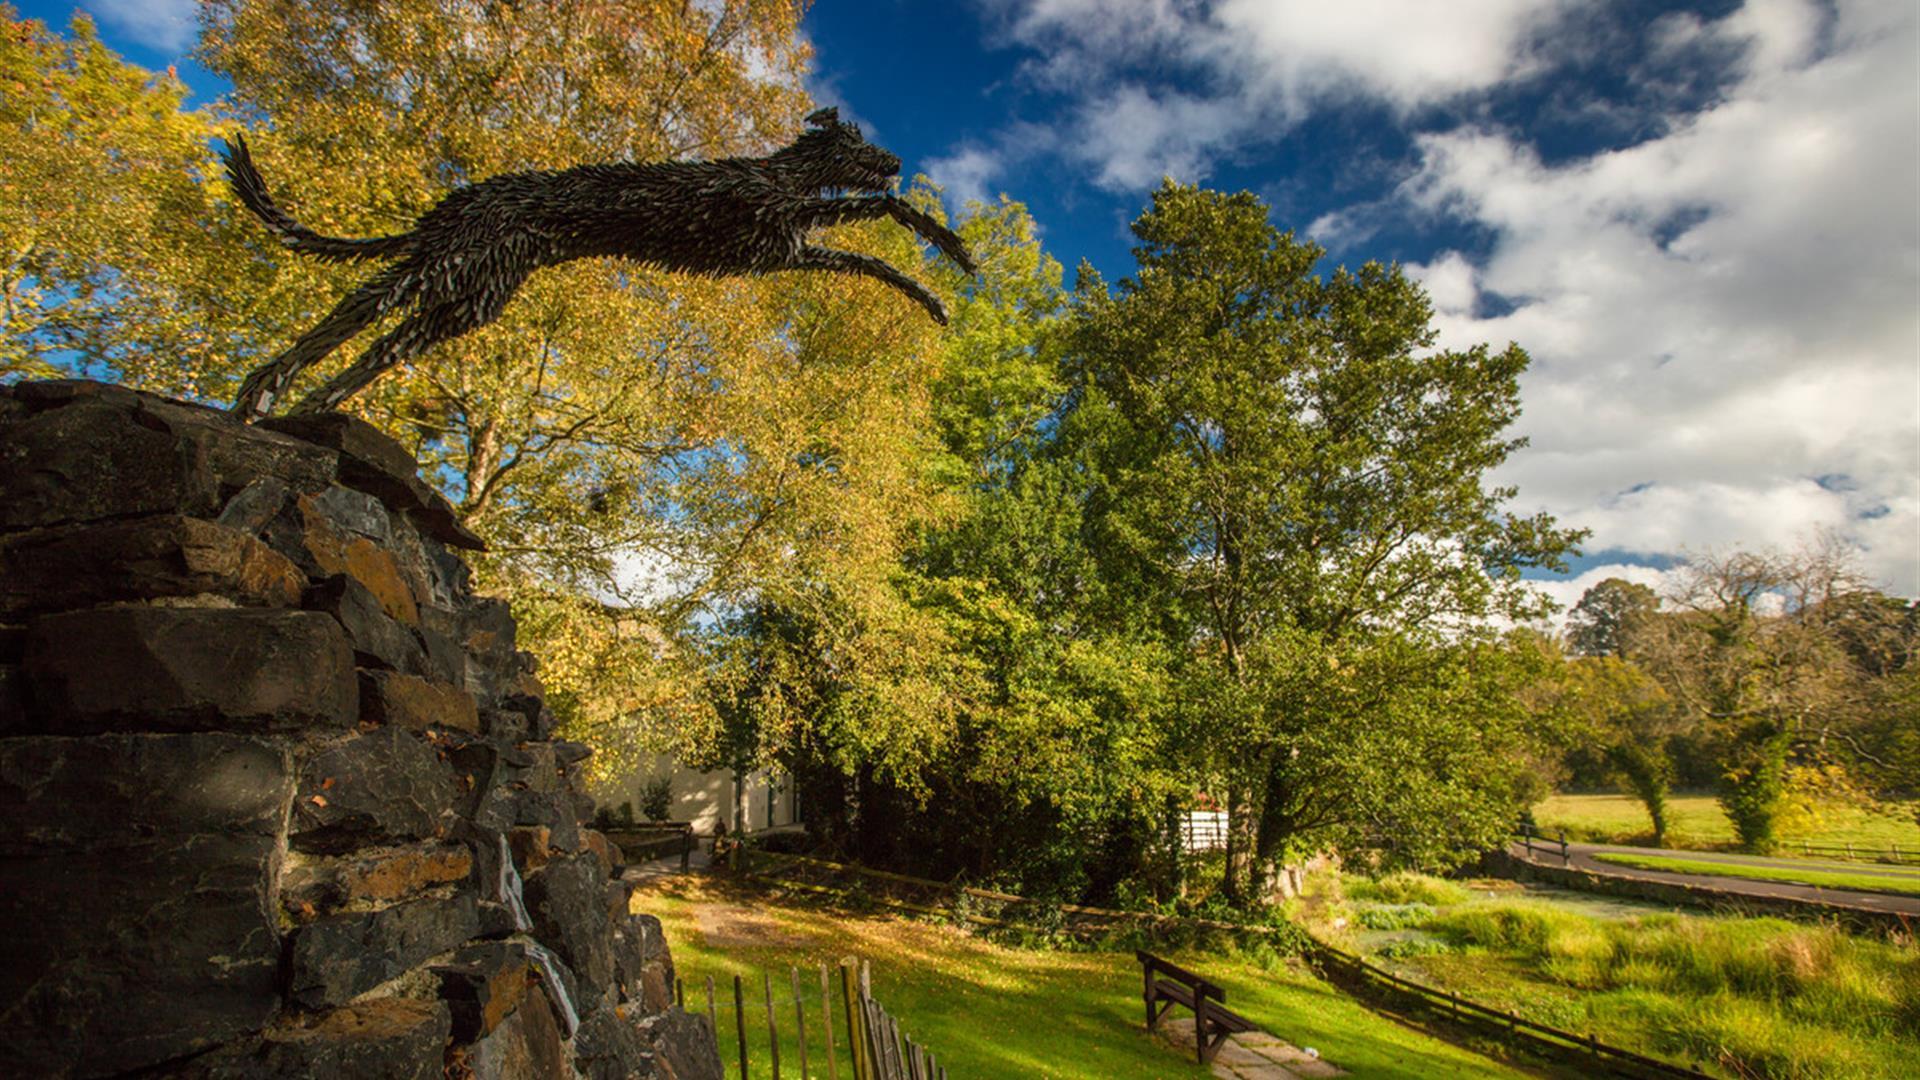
832,154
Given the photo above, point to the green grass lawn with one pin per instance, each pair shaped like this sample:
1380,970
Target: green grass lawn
1813,875
988,1010
1741,997
1697,822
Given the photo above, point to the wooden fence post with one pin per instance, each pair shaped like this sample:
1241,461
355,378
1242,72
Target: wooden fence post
853,1025
773,1029
740,1023
713,1016
826,1020
799,1019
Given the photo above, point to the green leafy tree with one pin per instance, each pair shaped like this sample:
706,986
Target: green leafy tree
1604,620
1604,704
1288,471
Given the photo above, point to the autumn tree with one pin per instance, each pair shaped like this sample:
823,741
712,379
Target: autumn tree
640,449
100,211
1291,481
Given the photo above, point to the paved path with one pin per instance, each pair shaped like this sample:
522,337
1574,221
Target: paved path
1581,858
1251,1055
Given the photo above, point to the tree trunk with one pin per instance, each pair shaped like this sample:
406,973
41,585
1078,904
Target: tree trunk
1234,880
741,803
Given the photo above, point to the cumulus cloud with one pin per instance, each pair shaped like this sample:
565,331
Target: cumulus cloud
1723,318
1567,591
168,26
1254,68
965,174
1720,302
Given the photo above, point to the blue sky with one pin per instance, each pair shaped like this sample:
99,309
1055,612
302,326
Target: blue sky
1702,219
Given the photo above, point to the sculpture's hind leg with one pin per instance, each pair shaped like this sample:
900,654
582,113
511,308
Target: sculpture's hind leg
847,262
266,384
411,338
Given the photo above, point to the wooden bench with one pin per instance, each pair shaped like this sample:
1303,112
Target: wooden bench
1168,984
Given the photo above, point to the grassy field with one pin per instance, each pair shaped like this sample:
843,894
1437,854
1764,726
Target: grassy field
1810,875
988,1010
1697,822
1741,997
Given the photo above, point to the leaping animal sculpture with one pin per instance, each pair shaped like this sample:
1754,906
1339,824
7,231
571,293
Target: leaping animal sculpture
467,256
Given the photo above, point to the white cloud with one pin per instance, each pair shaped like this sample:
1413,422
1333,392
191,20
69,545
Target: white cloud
1264,64
1755,377
963,176
169,26
1567,591
1724,314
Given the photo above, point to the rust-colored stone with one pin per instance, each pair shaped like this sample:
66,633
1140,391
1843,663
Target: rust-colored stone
390,697
598,843
532,846
335,552
148,558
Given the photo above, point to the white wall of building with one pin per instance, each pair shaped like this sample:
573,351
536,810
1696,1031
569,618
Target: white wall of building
706,798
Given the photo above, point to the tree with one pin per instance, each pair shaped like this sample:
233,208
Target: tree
98,204
1604,620
1288,474
1762,652
643,451
1607,704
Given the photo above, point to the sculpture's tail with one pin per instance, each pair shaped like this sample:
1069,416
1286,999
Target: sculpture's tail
252,190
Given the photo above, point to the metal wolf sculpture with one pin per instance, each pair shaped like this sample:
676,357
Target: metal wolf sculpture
465,258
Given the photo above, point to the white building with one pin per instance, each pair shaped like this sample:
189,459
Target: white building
708,798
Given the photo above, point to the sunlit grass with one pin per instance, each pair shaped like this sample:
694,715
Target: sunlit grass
1826,879
1696,821
992,1010
1746,997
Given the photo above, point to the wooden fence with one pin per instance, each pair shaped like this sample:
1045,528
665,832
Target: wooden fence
1568,1048
1367,981
871,1043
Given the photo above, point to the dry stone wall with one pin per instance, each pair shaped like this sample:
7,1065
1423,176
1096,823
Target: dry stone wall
280,796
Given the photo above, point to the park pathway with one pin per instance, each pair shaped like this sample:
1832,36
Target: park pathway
1252,1055
1581,857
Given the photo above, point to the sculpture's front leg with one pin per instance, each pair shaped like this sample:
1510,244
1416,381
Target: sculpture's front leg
847,262
824,212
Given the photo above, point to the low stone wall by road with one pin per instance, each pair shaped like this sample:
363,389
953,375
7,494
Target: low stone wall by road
1505,864
280,796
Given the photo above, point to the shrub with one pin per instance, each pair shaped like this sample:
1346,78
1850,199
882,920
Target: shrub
1395,916
1406,887
656,798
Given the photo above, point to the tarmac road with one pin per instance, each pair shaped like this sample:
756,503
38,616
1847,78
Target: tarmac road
1580,857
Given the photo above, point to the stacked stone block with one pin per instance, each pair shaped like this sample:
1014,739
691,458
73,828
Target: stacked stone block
281,796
